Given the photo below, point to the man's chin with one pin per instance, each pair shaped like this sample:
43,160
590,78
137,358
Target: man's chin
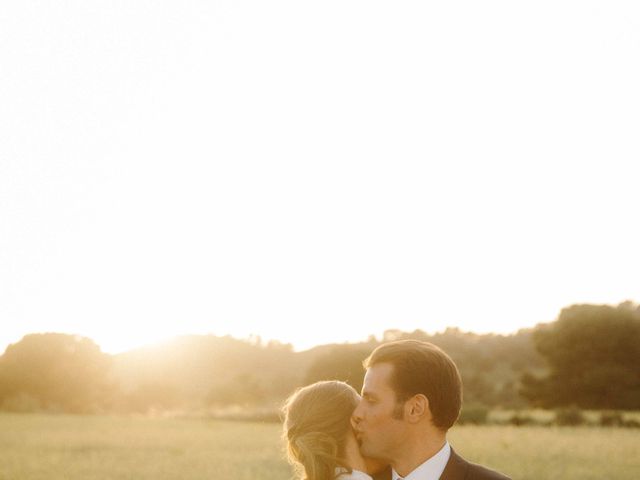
365,450
375,465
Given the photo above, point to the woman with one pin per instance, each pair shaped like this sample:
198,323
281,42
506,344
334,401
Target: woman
317,430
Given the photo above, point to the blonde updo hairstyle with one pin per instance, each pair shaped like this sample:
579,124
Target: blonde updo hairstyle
316,425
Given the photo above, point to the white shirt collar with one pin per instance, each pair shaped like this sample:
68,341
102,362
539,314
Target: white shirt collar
429,470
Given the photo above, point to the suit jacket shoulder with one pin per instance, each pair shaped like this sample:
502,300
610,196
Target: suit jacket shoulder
457,468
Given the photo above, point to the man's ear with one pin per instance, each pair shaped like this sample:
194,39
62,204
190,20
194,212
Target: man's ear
417,408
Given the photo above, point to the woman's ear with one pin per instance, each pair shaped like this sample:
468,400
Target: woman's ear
417,408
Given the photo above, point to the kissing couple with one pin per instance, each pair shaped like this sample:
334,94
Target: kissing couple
397,429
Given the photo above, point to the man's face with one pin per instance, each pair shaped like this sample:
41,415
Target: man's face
380,434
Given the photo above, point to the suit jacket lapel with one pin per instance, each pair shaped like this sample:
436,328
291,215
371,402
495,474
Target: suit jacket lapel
455,469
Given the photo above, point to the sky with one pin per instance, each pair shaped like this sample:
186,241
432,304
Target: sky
314,172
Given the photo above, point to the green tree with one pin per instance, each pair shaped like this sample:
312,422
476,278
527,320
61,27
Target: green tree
244,390
151,396
490,365
341,362
59,372
593,352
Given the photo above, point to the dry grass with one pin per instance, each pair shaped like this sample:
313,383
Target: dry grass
568,453
39,447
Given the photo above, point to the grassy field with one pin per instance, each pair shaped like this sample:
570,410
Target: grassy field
39,447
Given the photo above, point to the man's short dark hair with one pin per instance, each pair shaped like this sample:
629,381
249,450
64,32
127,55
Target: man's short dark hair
422,368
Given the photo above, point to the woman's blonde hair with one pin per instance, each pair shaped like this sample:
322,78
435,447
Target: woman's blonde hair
316,425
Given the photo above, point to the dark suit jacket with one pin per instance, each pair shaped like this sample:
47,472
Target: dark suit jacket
457,468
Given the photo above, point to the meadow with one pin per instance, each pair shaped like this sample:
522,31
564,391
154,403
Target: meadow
66,447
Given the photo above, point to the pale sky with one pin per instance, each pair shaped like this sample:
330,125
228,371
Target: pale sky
314,172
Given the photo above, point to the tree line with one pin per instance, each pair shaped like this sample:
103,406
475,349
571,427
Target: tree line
589,357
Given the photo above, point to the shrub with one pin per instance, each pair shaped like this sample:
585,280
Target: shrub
631,423
473,414
21,403
520,419
571,416
611,419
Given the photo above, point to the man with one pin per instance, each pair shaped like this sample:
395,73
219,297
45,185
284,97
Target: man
411,396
